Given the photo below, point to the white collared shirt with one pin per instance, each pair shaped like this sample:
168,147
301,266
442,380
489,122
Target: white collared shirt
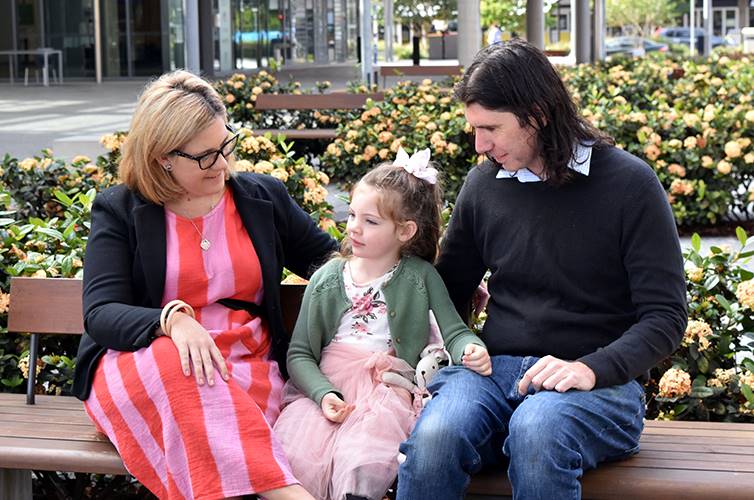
580,162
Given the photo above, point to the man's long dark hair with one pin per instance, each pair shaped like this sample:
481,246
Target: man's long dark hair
517,77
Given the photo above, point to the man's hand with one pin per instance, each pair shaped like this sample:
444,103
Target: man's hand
480,298
476,358
335,409
551,373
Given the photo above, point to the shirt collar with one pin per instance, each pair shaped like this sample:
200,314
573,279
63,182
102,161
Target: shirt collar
580,163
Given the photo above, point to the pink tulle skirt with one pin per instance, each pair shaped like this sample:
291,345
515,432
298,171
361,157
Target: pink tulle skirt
359,456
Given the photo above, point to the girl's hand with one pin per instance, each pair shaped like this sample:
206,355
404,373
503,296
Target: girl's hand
193,341
335,409
476,358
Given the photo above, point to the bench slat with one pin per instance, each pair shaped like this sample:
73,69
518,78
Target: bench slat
421,70
334,100
73,432
696,448
61,313
55,455
303,134
723,433
696,456
44,401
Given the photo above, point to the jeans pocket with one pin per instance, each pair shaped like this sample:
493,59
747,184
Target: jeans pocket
525,363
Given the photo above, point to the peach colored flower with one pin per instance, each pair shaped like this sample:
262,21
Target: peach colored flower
698,331
652,152
745,293
724,167
675,383
695,274
732,149
681,187
676,169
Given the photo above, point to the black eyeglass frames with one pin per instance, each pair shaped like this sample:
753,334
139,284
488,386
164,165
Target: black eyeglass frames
206,160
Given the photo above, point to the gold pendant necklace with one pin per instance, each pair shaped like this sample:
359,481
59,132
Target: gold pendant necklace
205,243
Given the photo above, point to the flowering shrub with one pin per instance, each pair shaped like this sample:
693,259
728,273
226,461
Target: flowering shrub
691,120
31,182
42,248
305,184
113,143
711,376
240,92
415,116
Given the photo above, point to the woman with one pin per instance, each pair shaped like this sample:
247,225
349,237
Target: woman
185,387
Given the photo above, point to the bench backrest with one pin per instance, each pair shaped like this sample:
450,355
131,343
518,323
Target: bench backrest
334,100
437,70
44,306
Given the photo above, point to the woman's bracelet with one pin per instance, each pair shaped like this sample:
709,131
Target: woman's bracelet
172,307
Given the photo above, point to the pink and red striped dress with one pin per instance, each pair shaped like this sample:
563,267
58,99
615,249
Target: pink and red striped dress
182,440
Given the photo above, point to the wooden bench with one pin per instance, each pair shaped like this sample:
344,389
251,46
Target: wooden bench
387,70
334,100
678,459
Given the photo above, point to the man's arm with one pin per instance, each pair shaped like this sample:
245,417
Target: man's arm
653,262
460,262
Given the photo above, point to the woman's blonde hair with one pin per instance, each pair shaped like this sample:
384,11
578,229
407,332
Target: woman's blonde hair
170,112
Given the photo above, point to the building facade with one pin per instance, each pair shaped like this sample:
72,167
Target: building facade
137,38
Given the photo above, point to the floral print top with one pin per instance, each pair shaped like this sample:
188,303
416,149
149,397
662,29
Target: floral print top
365,323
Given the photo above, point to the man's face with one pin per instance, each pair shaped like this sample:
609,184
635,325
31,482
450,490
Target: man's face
500,136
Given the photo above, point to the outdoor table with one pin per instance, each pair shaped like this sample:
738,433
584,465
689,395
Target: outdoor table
44,52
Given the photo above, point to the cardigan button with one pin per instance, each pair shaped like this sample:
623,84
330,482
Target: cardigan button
398,340
392,314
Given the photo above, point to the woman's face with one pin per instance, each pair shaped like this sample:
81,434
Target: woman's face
186,172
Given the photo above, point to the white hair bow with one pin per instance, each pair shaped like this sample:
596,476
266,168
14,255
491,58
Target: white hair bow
417,164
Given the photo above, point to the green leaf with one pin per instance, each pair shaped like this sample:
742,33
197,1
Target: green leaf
703,364
748,363
64,198
724,302
700,381
696,242
680,408
701,392
747,392
711,282
741,235
51,232
12,382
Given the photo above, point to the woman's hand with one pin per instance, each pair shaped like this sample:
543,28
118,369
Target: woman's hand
335,409
476,358
194,341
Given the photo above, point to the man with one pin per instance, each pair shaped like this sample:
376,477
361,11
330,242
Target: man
587,291
494,34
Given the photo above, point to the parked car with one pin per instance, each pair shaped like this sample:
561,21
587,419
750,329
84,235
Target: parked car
681,35
632,45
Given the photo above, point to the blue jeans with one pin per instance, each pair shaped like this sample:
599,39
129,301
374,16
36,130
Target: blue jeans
550,438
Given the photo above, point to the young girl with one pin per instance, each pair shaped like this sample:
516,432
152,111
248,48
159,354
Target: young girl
365,313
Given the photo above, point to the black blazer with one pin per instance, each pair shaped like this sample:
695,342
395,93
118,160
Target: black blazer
124,268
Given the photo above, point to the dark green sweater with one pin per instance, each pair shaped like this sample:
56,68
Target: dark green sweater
589,271
410,293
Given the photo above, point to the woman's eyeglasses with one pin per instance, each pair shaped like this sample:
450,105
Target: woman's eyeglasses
206,160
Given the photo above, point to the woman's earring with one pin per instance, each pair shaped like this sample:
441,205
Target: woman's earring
168,167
